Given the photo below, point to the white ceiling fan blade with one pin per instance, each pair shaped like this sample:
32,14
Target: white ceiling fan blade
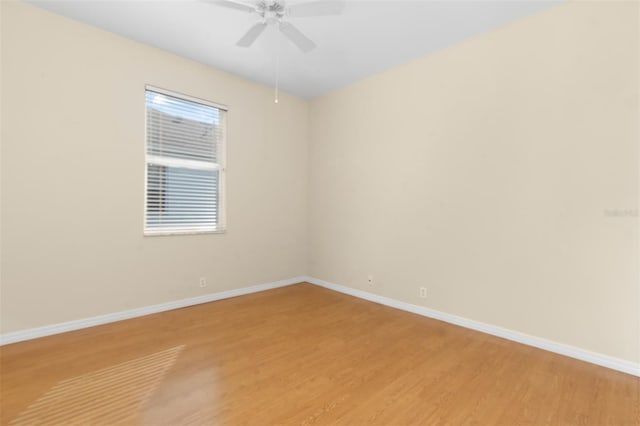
317,8
303,42
250,36
232,5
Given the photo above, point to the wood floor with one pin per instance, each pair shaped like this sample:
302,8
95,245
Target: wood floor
302,355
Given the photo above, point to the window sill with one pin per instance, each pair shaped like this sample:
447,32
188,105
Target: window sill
185,232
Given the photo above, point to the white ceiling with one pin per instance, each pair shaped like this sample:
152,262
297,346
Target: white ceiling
369,37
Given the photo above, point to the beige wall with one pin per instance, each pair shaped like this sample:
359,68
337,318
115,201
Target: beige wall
73,177
483,173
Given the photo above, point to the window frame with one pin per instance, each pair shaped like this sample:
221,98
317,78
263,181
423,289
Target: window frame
221,157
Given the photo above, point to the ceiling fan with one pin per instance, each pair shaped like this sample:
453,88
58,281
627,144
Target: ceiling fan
274,12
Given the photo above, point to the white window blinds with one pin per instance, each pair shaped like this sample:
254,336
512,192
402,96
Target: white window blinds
184,167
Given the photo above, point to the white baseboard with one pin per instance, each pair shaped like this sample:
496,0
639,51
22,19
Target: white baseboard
551,346
33,333
559,348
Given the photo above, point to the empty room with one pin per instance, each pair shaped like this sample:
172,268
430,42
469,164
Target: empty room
319,212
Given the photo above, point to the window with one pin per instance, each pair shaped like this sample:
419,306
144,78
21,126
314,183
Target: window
184,164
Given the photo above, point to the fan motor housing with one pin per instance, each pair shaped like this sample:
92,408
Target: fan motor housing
271,12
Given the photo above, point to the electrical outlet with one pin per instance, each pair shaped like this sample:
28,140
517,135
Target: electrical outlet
203,282
423,292
370,279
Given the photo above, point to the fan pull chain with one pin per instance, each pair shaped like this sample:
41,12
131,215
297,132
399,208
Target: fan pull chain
277,82
277,73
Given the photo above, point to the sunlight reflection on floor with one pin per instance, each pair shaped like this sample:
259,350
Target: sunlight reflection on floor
107,396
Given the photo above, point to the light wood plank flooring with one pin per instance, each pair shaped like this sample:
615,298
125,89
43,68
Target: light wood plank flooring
302,355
